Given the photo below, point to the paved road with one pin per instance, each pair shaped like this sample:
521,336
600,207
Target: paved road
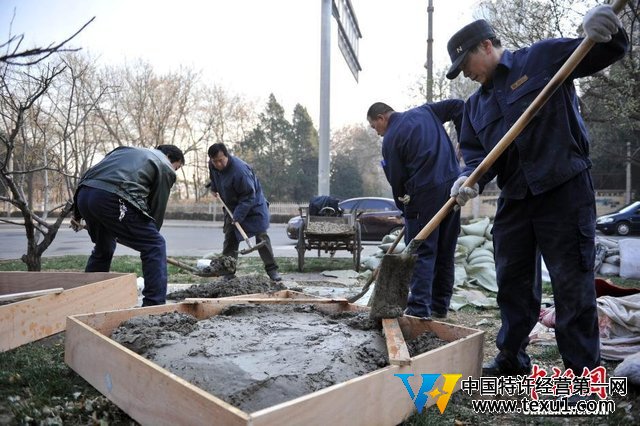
184,238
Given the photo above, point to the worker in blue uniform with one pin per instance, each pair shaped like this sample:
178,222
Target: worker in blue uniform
236,183
420,164
547,202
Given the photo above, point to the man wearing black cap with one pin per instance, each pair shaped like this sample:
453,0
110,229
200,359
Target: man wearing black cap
547,203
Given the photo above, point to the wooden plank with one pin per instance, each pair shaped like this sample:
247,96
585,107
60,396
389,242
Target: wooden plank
145,391
14,282
14,297
254,300
29,320
396,346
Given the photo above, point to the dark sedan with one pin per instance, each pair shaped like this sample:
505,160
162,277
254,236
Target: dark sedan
622,222
378,217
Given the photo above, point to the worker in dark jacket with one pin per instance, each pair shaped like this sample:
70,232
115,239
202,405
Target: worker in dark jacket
234,181
547,203
419,162
123,199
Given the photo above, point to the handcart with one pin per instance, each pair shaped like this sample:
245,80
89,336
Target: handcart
329,234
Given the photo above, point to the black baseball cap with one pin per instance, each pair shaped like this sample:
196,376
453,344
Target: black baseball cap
465,39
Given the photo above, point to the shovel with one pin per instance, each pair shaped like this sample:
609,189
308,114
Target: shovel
244,234
392,288
375,272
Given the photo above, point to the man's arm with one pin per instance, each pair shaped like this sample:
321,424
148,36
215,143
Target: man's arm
449,110
244,187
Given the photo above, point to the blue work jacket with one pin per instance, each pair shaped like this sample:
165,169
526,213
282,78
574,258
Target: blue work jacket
241,191
416,150
554,146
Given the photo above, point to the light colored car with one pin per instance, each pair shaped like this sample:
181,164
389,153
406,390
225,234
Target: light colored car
378,217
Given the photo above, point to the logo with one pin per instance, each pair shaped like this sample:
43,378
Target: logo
440,394
459,49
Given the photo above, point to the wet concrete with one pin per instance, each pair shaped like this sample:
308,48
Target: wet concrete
390,294
220,287
256,356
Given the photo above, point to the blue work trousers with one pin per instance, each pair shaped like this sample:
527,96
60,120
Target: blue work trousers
110,219
431,284
559,224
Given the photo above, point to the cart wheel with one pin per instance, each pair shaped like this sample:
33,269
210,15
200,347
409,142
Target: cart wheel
357,247
301,247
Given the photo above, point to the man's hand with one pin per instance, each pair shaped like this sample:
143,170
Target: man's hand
463,193
600,23
77,225
405,199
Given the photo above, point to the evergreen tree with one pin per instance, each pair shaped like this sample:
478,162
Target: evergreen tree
266,148
346,181
303,169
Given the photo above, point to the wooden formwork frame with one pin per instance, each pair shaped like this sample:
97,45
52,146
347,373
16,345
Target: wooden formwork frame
37,317
152,395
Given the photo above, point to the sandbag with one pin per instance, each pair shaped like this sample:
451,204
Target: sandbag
609,270
471,241
484,275
629,368
613,260
630,258
480,252
475,227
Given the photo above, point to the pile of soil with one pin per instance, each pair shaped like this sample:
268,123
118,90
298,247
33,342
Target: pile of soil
257,356
246,284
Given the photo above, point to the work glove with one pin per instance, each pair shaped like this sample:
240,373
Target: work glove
463,193
600,23
77,225
405,199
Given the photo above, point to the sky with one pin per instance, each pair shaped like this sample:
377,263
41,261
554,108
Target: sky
255,47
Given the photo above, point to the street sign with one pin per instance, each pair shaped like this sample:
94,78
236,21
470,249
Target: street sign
348,34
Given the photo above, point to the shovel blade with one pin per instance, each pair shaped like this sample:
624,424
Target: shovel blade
392,286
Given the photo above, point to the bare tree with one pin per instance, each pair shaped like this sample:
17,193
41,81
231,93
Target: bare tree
27,154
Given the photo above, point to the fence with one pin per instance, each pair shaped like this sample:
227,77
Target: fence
485,205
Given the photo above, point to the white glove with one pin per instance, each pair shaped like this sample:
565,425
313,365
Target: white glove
463,193
405,199
600,23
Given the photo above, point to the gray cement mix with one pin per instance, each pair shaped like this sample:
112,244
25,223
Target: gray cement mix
220,287
392,286
256,356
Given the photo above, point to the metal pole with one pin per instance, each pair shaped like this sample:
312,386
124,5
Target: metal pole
429,64
627,195
325,96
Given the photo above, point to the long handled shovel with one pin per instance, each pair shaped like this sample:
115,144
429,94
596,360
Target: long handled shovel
375,272
244,234
392,288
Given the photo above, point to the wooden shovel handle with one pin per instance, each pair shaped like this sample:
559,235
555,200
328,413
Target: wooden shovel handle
542,98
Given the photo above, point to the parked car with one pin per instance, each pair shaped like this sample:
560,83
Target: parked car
378,217
622,222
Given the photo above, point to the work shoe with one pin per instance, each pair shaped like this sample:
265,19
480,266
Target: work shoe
274,275
439,315
493,369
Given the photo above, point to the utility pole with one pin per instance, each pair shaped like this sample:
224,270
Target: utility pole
325,98
627,195
429,64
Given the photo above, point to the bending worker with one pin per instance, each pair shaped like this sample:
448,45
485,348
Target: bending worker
547,201
235,182
124,198
420,164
